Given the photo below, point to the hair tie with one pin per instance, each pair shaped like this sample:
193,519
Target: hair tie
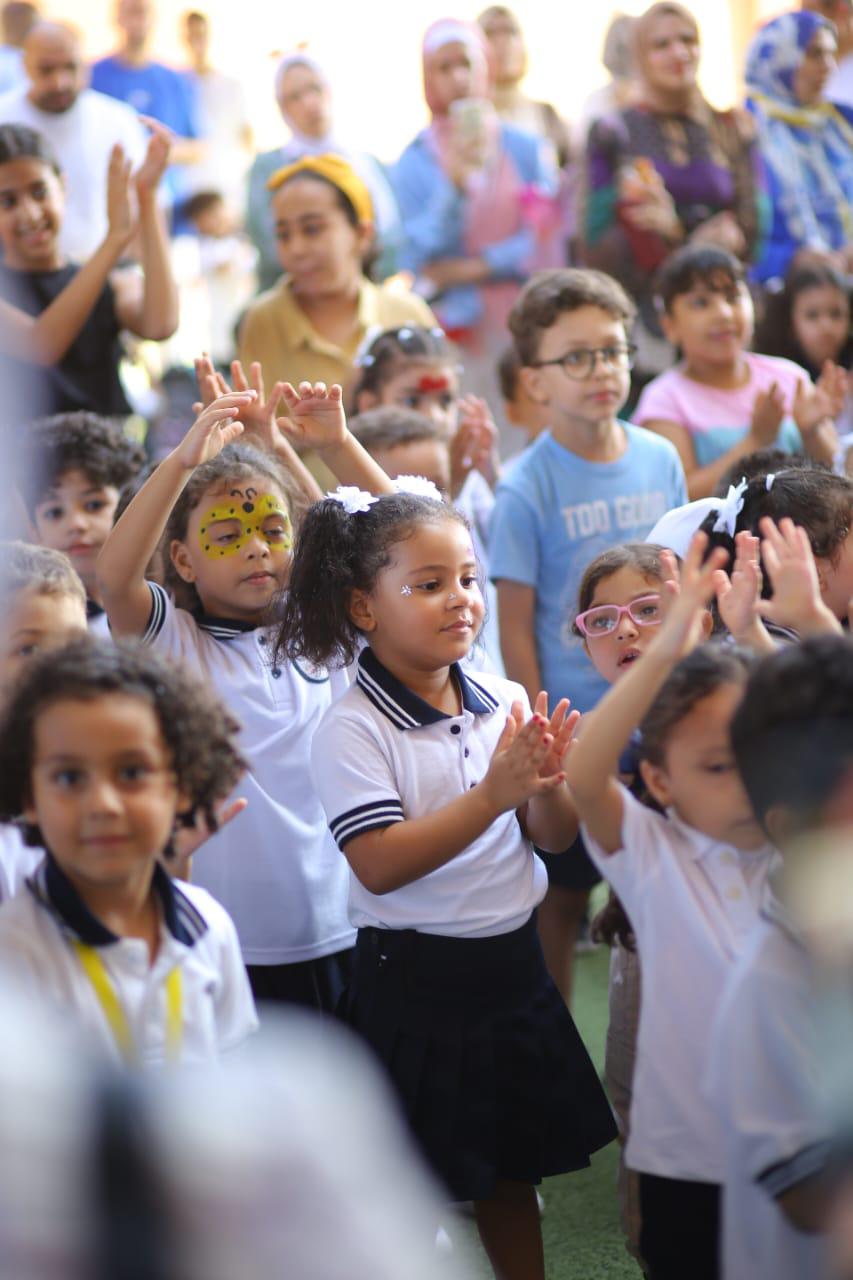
730,509
353,500
768,483
419,486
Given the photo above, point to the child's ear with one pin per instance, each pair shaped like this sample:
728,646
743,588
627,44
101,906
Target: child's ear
669,325
656,780
360,610
707,624
534,384
181,560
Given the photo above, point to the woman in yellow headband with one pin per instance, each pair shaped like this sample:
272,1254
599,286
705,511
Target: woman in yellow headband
309,326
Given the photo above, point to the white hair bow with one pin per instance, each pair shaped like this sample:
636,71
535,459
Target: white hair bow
730,508
419,486
352,499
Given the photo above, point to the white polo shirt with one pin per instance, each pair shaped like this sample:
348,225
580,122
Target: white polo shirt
275,868
693,903
17,860
763,1079
38,929
383,755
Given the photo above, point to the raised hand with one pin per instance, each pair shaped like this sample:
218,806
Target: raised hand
473,447
317,417
686,597
150,172
790,564
738,595
561,727
768,411
815,403
187,840
121,218
214,428
514,775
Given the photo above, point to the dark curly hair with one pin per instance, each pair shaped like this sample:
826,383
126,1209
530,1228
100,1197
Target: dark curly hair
236,462
696,677
817,500
792,734
336,554
198,732
75,441
761,464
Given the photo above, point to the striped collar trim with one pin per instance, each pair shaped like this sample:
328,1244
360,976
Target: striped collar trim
54,891
405,709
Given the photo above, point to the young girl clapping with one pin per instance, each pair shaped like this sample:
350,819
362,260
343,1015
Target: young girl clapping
435,784
692,880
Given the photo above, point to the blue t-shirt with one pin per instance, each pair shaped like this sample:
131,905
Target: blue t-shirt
555,513
153,90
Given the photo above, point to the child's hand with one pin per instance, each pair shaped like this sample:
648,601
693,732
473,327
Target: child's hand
187,840
738,595
258,416
514,774
790,564
213,429
154,165
121,219
685,597
768,411
317,417
561,727
473,445
815,403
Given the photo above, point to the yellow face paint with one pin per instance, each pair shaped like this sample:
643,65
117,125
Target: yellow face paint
228,526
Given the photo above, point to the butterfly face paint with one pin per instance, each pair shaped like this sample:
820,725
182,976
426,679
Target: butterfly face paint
227,527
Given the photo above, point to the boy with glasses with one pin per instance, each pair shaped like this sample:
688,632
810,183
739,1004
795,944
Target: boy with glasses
587,483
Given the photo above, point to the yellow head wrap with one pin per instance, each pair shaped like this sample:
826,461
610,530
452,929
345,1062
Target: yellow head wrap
336,171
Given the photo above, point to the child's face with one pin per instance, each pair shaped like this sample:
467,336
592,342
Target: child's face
318,246
36,622
428,458
699,777
712,322
836,579
425,609
236,558
820,318
103,792
305,102
613,652
429,389
31,206
572,402
76,516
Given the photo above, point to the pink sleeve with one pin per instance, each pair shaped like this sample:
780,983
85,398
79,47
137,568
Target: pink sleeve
658,401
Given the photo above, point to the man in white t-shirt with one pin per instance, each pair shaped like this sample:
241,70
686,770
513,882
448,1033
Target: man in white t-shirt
82,127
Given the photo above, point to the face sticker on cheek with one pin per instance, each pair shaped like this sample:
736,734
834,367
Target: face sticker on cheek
227,527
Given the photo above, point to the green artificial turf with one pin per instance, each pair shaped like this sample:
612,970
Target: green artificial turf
581,1223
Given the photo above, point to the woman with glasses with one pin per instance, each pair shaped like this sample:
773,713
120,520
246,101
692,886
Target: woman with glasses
665,171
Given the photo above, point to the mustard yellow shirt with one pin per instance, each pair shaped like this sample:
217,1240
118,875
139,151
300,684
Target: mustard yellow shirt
277,332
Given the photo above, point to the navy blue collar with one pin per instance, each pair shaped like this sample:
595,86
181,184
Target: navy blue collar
222,628
54,891
405,709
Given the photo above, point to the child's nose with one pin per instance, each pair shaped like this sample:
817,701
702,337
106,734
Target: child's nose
627,628
103,797
257,545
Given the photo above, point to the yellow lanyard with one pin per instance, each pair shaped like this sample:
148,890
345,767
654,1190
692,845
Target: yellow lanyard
96,972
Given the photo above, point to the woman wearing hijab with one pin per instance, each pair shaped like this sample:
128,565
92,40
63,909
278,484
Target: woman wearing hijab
477,199
806,141
666,170
304,98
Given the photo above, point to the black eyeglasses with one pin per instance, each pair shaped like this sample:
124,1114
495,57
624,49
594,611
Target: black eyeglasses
581,363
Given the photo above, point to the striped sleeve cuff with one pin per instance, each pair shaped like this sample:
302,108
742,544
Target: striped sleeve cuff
364,818
157,616
809,1162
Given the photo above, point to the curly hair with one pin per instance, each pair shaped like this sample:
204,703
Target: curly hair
198,732
336,554
236,462
696,677
75,441
792,734
25,567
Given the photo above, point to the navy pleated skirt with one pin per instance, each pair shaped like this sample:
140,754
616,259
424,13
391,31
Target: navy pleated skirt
492,1074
